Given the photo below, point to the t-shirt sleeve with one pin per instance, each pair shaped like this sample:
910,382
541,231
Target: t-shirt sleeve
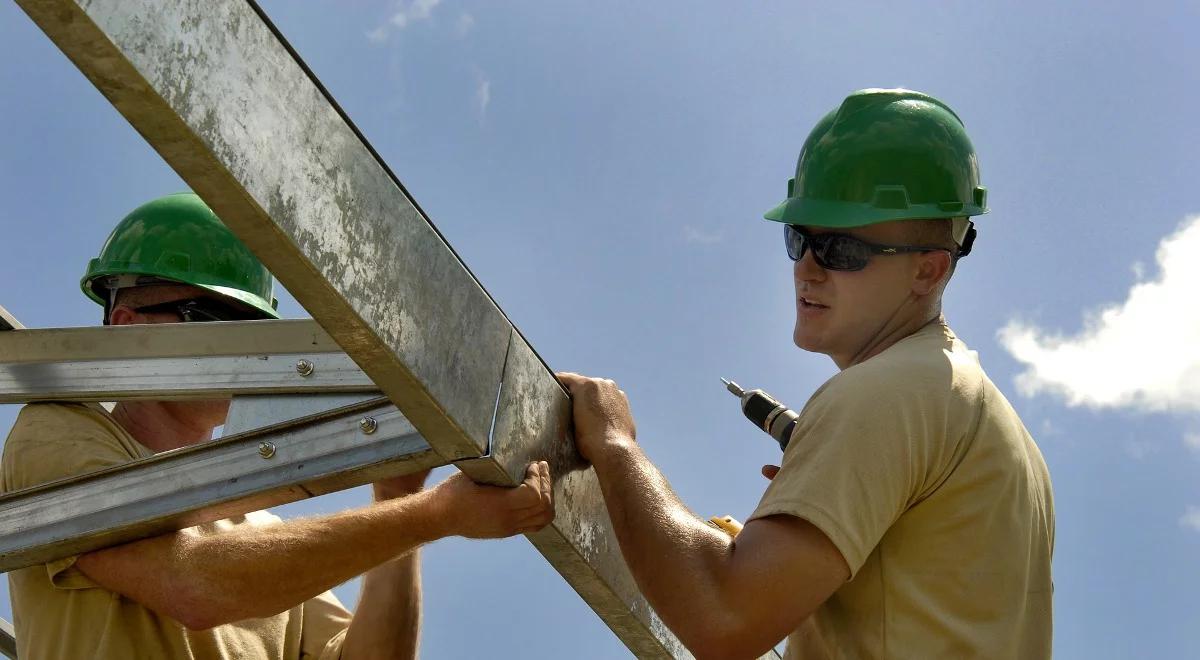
854,463
49,442
325,624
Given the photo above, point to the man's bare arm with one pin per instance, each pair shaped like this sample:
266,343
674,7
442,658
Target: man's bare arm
203,581
723,598
387,621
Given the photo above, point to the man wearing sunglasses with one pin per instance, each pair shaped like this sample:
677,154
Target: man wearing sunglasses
246,587
912,515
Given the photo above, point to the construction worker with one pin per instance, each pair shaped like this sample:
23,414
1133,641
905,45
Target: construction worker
252,586
912,516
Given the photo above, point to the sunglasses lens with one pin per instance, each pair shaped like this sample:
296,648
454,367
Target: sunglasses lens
843,253
794,241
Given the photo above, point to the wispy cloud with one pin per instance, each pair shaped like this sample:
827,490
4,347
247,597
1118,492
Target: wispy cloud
464,24
1142,353
406,13
1191,519
700,236
483,94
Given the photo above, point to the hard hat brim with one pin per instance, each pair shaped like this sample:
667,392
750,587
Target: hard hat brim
841,214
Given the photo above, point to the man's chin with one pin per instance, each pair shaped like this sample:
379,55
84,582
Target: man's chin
805,342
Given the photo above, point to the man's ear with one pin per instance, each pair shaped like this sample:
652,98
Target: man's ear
931,271
122,315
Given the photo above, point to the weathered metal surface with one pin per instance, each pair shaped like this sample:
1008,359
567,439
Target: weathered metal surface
206,482
532,423
247,413
179,378
219,95
164,340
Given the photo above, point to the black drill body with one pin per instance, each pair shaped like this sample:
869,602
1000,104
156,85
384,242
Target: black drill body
768,414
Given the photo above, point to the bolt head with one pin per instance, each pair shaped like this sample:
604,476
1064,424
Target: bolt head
368,425
305,368
266,449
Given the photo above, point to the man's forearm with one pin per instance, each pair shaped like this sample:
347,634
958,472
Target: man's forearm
676,558
387,621
261,571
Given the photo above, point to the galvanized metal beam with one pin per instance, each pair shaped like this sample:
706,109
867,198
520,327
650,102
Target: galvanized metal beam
216,377
229,106
164,340
322,453
220,95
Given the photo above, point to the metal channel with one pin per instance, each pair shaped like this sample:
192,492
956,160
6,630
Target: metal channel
230,476
180,378
164,340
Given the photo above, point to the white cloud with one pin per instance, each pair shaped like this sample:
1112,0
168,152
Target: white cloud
483,94
378,35
1143,353
464,24
697,235
406,13
1191,519
1192,441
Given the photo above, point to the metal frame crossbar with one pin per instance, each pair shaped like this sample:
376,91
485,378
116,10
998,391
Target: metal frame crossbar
197,79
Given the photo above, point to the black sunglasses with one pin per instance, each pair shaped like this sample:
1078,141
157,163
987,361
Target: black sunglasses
198,310
841,251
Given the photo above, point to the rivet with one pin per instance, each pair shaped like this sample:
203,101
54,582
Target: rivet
266,449
305,368
368,425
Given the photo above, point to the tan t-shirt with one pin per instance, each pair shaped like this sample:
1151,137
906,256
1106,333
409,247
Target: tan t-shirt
59,613
920,472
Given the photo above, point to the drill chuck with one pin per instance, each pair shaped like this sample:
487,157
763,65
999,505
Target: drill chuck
776,419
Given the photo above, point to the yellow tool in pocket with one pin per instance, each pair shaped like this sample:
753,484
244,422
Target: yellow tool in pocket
727,524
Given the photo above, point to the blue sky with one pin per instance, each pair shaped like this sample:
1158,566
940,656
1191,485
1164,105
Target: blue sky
603,168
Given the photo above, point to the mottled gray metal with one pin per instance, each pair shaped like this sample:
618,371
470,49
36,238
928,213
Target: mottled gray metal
164,340
532,423
179,378
247,413
218,94
207,482
8,639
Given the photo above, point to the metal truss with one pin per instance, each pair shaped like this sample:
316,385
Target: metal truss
316,203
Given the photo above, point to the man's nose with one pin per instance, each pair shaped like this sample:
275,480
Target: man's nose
806,269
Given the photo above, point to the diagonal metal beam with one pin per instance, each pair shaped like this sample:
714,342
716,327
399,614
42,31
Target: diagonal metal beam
228,105
247,472
217,92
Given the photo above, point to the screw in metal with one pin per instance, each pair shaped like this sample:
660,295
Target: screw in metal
305,368
368,425
266,449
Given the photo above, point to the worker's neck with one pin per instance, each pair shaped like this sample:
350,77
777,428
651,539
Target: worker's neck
908,320
163,425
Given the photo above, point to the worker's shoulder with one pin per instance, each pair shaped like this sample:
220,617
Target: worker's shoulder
59,422
928,365
57,414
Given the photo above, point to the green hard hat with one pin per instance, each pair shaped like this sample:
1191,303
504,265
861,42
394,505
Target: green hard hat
177,238
884,154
